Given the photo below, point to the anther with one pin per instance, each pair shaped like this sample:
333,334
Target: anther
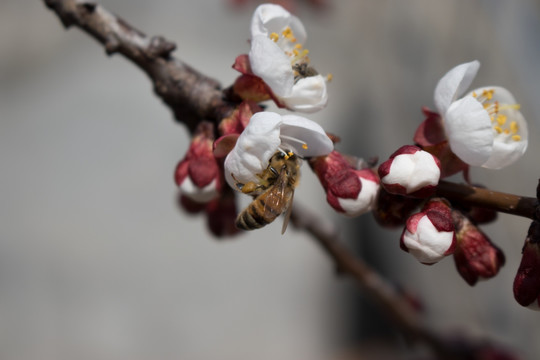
274,37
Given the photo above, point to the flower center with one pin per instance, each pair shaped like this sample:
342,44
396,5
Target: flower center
500,115
295,51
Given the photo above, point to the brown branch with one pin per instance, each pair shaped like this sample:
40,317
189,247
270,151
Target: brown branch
475,196
385,295
191,95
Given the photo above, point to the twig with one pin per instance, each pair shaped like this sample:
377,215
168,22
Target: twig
386,296
191,95
475,196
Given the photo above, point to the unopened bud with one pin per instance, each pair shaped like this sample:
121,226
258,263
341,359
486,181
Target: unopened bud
349,191
527,280
198,175
410,171
476,257
429,235
221,214
392,210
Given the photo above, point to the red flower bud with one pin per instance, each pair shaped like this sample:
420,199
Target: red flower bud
476,257
237,121
392,210
429,235
198,174
527,280
221,214
349,191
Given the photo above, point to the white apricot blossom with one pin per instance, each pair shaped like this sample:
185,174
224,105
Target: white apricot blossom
410,171
268,133
484,127
278,57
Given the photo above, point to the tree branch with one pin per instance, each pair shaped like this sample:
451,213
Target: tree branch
386,296
191,95
476,196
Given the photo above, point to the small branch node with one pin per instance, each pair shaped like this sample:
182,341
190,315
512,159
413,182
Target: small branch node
160,47
111,45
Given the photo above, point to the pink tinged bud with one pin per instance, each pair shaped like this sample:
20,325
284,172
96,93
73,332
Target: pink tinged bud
237,121
392,210
221,214
527,280
410,171
349,191
429,235
476,257
367,196
198,174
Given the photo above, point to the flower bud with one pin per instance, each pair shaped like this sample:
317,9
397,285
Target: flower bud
527,280
476,257
221,214
429,235
410,171
198,174
237,121
392,210
349,191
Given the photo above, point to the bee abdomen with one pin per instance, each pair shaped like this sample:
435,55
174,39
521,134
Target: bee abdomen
252,217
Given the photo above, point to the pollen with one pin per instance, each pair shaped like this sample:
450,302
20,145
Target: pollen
498,129
329,77
274,37
304,146
516,137
514,127
501,119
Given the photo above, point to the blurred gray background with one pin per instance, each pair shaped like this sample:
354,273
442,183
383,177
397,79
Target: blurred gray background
97,261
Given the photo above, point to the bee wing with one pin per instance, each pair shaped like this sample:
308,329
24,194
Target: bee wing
278,197
287,214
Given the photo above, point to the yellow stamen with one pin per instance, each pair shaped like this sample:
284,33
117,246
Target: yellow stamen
516,137
304,146
506,131
298,46
329,77
274,36
514,127
295,52
287,32
501,119
498,129
488,94
474,94
510,107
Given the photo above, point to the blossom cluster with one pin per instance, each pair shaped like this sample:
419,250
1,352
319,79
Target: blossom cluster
259,153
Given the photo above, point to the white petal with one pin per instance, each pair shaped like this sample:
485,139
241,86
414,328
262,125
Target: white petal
311,133
254,147
428,245
413,171
197,194
308,95
468,128
270,63
269,18
364,202
453,84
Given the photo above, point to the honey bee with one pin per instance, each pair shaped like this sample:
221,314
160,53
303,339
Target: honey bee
302,71
273,194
